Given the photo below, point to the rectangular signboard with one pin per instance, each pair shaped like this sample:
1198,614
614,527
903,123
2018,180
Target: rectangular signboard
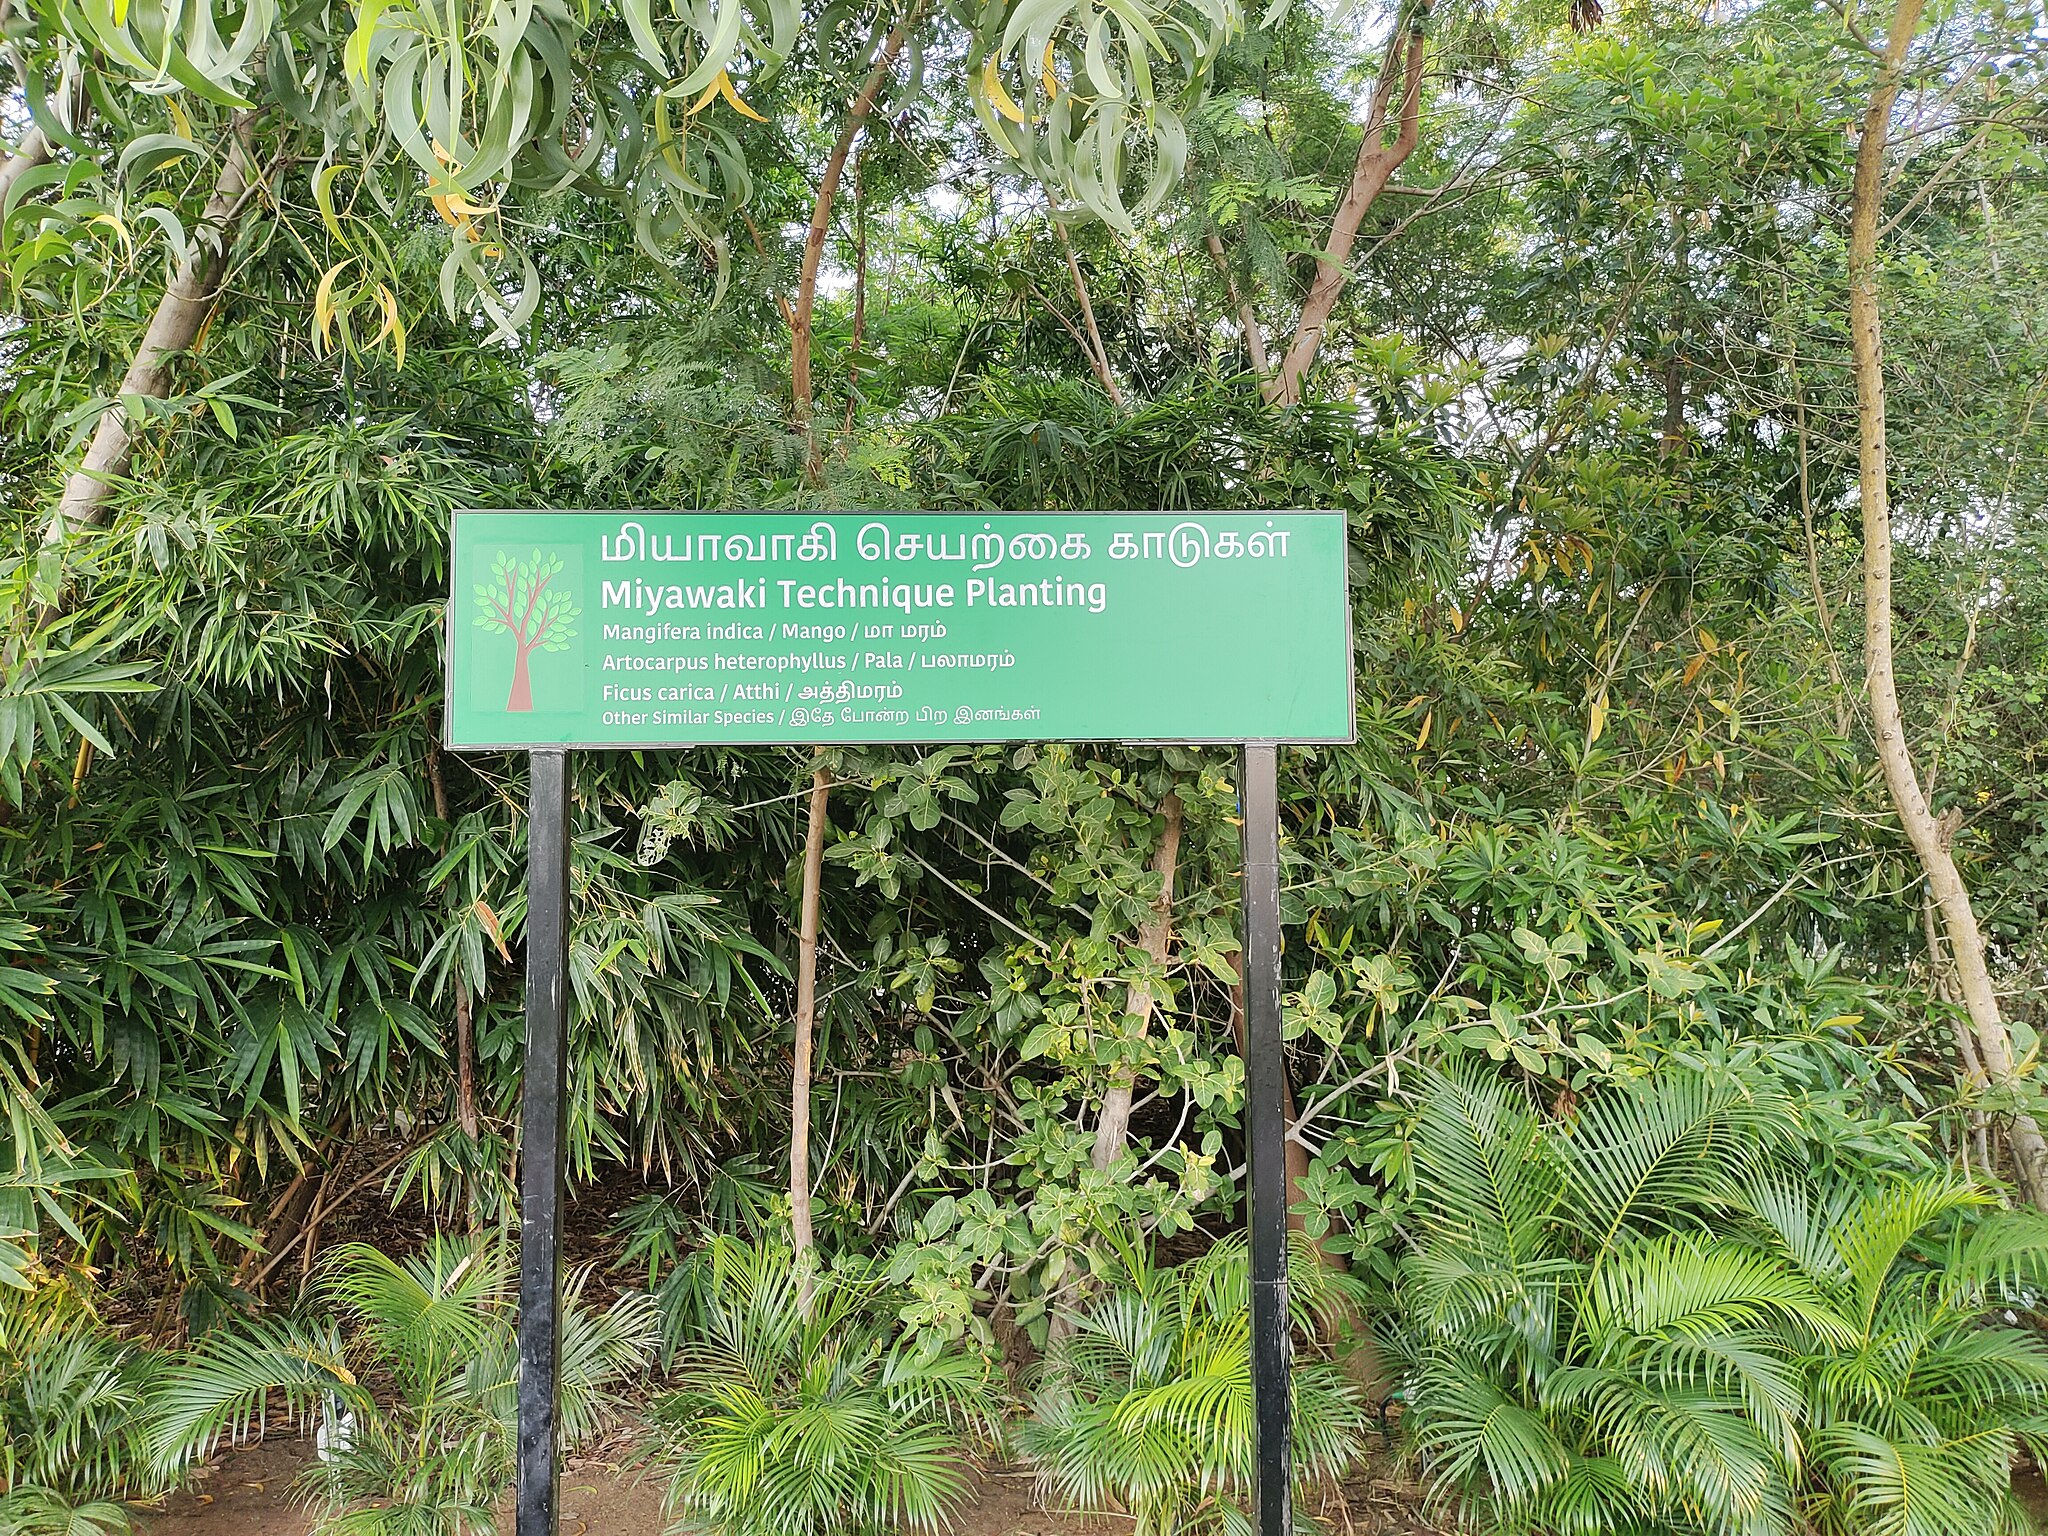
660,629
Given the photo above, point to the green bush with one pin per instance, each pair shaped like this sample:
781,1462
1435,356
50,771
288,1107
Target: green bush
1146,1406
428,1456
813,1416
1650,1318
71,1424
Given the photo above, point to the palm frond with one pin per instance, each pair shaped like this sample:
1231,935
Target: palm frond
1656,1154
224,1384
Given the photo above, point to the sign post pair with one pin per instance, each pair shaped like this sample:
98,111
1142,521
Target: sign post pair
586,630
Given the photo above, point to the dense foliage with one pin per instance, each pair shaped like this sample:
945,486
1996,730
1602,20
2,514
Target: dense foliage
1611,865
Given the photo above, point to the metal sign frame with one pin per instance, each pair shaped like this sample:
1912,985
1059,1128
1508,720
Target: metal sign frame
543,1166
1234,638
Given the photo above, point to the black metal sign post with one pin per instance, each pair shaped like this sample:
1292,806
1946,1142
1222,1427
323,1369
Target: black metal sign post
540,1139
1265,1093
541,1149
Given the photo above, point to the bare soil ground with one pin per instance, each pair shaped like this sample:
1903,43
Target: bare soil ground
248,1493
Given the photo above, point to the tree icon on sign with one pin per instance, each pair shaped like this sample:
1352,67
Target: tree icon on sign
517,601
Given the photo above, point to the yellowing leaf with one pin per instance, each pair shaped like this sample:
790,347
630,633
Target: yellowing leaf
1046,77
445,205
114,223
1692,668
1597,722
732,97
1422,737
323,302
393,326
998,97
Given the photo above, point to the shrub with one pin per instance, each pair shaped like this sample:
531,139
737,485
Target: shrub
1147,1405
1649,1319
431,1457
71,1431
805,1416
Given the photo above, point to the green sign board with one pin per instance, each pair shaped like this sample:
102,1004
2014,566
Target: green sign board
660,629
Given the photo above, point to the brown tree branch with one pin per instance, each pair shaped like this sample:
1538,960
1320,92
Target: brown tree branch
803,311
1155,936
860,297
1377,162
761,248
1098,354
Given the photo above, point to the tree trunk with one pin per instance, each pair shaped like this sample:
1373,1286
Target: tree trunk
1941,983
1377,162
520,700
806,1020
1929,838
172,329
33,150
1098,354
1154,937
36,147
802,394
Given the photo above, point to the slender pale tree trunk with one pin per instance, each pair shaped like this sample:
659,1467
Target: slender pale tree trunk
1098,354
175,326
1377,161
1941,981
1929,836
802,312
1155,937
32,151
36,147
806,1023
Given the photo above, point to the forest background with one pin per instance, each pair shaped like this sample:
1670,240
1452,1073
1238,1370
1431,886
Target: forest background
1680,904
